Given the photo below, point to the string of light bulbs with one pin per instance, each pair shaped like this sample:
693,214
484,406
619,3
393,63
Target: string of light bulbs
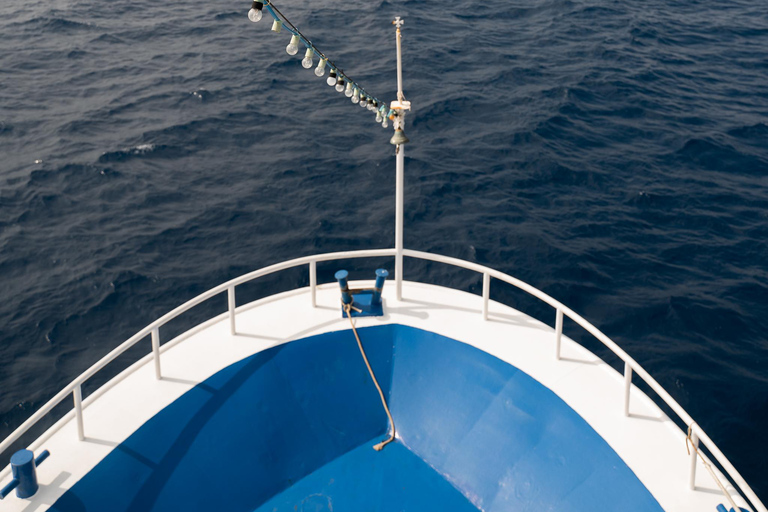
336,76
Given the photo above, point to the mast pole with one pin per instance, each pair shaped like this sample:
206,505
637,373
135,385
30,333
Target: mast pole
399,200
400,107
398,22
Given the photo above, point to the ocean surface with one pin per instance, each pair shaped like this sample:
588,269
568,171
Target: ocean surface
611,153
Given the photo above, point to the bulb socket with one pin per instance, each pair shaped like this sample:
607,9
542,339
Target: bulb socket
257,5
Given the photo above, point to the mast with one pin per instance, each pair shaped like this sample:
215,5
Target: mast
400,106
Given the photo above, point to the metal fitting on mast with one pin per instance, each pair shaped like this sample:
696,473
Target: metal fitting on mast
400,106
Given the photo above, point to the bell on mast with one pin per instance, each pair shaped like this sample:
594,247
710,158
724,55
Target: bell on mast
399,138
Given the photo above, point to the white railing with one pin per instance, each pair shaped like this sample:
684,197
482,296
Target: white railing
630,365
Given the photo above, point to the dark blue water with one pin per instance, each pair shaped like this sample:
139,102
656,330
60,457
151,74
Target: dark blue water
611,153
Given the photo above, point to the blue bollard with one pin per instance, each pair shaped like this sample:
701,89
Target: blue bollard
24,470
381,276
341,277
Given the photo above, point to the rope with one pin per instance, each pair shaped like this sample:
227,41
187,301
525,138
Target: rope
708,466
348,310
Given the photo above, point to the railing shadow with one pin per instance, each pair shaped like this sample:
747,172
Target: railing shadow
413,308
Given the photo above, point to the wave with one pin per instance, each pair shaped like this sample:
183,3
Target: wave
720,157
754,133
612,153
142,151
55,25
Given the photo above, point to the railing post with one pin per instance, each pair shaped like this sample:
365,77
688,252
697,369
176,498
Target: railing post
156,351
486,293
231,304
694,455
77,395
313,282
558,332
627,386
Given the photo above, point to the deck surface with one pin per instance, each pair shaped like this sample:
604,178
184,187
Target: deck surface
648,442
295,423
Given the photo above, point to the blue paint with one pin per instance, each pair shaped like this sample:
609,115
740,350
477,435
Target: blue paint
381,276
595,128
721,508
365,476
24,471
5,491
363,302
292,428
364,305
41,458
341,277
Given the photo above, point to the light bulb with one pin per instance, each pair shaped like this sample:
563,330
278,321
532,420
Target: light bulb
363,101
331,78
306,62
356,95
277,26
340,85
293,46
320,69
378,117
348,90
384,123
255,13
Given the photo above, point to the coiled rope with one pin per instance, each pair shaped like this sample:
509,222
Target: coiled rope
348,309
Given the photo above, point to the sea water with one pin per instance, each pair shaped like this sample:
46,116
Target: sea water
609,152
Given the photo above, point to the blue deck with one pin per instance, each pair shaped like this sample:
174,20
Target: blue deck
292,428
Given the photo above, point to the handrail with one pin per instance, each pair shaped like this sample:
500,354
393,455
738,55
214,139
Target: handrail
74,386
631,365
605,340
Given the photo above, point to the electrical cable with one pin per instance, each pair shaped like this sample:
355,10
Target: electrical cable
277,15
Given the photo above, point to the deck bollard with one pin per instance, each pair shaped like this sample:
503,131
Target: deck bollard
341,277
381,276
364,301
24,471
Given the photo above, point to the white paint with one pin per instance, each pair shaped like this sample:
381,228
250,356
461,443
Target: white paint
650,443
156,352
558,332
399,202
